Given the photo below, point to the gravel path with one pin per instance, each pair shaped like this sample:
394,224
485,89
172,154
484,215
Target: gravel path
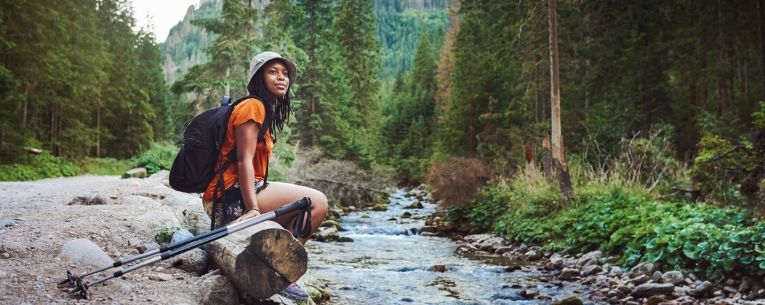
36,220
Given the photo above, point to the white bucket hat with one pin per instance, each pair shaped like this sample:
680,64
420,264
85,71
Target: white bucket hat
261,59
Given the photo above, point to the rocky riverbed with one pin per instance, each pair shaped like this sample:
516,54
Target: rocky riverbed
645,283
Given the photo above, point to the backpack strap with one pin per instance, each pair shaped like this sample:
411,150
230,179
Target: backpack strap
220,186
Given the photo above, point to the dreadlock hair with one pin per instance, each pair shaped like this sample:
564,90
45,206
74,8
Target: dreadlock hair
278,108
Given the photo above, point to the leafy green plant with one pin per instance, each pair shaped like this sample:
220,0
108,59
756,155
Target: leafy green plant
43,165
104,166
165,234
160,156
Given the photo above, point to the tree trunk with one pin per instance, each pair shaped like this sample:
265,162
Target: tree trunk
98,130
761,15
557,139
547,160
260,260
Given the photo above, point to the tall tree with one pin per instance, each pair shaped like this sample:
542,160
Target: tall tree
558,153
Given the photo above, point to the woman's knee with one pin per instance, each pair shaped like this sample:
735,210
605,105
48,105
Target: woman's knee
320,203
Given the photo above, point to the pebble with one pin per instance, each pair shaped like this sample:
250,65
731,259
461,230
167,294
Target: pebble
160,277
3,275
6,255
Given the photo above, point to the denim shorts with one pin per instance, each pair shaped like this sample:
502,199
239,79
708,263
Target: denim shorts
231,206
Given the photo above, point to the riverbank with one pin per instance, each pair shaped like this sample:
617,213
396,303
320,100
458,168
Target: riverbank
646,283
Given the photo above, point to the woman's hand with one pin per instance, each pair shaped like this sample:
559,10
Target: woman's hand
249,214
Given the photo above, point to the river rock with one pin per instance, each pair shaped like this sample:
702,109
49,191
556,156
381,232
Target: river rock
331,223
86,252
591,269
532,255
615,271
161,176
646,269
702,290
673,277
571,300
641,279
138,172
416,205
218,290
152,221
406,215
181,235
382,207
652,289
568,274
438,268
589,258
194,261
656,276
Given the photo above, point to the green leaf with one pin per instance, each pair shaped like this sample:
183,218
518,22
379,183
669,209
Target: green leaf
691,250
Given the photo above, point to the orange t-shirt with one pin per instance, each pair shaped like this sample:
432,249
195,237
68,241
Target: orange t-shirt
247,110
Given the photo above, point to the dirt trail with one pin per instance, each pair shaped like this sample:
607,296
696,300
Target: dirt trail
35,221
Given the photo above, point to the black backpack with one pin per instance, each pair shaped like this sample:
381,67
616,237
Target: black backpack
194,166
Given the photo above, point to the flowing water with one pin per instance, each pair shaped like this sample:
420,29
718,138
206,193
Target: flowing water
389,262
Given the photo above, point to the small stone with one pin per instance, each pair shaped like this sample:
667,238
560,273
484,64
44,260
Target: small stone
656,276
6,255
672,277
590,270
438,268
160,277
652,289
3,275
568,274
571,300
406,215
529,293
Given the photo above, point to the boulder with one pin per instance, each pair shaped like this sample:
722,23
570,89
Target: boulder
138,172
194,261
218,290
86,252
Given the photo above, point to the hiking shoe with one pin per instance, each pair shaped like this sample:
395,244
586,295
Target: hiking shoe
294,292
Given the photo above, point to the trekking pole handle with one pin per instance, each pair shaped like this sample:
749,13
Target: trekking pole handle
302,204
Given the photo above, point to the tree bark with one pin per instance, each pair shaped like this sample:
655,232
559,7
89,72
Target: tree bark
761,15
260,260
559,159
547,159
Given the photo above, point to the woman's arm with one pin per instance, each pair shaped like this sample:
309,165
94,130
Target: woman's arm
246,142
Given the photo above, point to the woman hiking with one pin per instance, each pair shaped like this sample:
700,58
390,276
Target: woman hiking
271,77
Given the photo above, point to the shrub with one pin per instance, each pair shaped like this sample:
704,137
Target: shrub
456,180
719,168
104,166
39,166
158,157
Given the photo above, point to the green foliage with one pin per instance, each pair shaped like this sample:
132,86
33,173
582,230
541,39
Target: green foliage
695,237
165,234
104,166
38,166
718,169
158,157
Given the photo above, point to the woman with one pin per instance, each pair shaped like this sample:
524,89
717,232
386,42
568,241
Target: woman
271,77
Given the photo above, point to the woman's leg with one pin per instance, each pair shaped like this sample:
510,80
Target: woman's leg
277,194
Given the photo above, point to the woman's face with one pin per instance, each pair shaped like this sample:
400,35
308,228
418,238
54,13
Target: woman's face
276,77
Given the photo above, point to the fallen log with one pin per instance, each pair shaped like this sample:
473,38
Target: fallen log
260,260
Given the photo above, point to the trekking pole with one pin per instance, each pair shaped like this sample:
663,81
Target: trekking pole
162,253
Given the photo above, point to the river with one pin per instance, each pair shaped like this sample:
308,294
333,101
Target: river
389,262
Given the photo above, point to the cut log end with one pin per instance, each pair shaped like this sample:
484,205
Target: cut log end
260,260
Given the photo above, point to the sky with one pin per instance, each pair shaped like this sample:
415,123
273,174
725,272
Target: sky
162,14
